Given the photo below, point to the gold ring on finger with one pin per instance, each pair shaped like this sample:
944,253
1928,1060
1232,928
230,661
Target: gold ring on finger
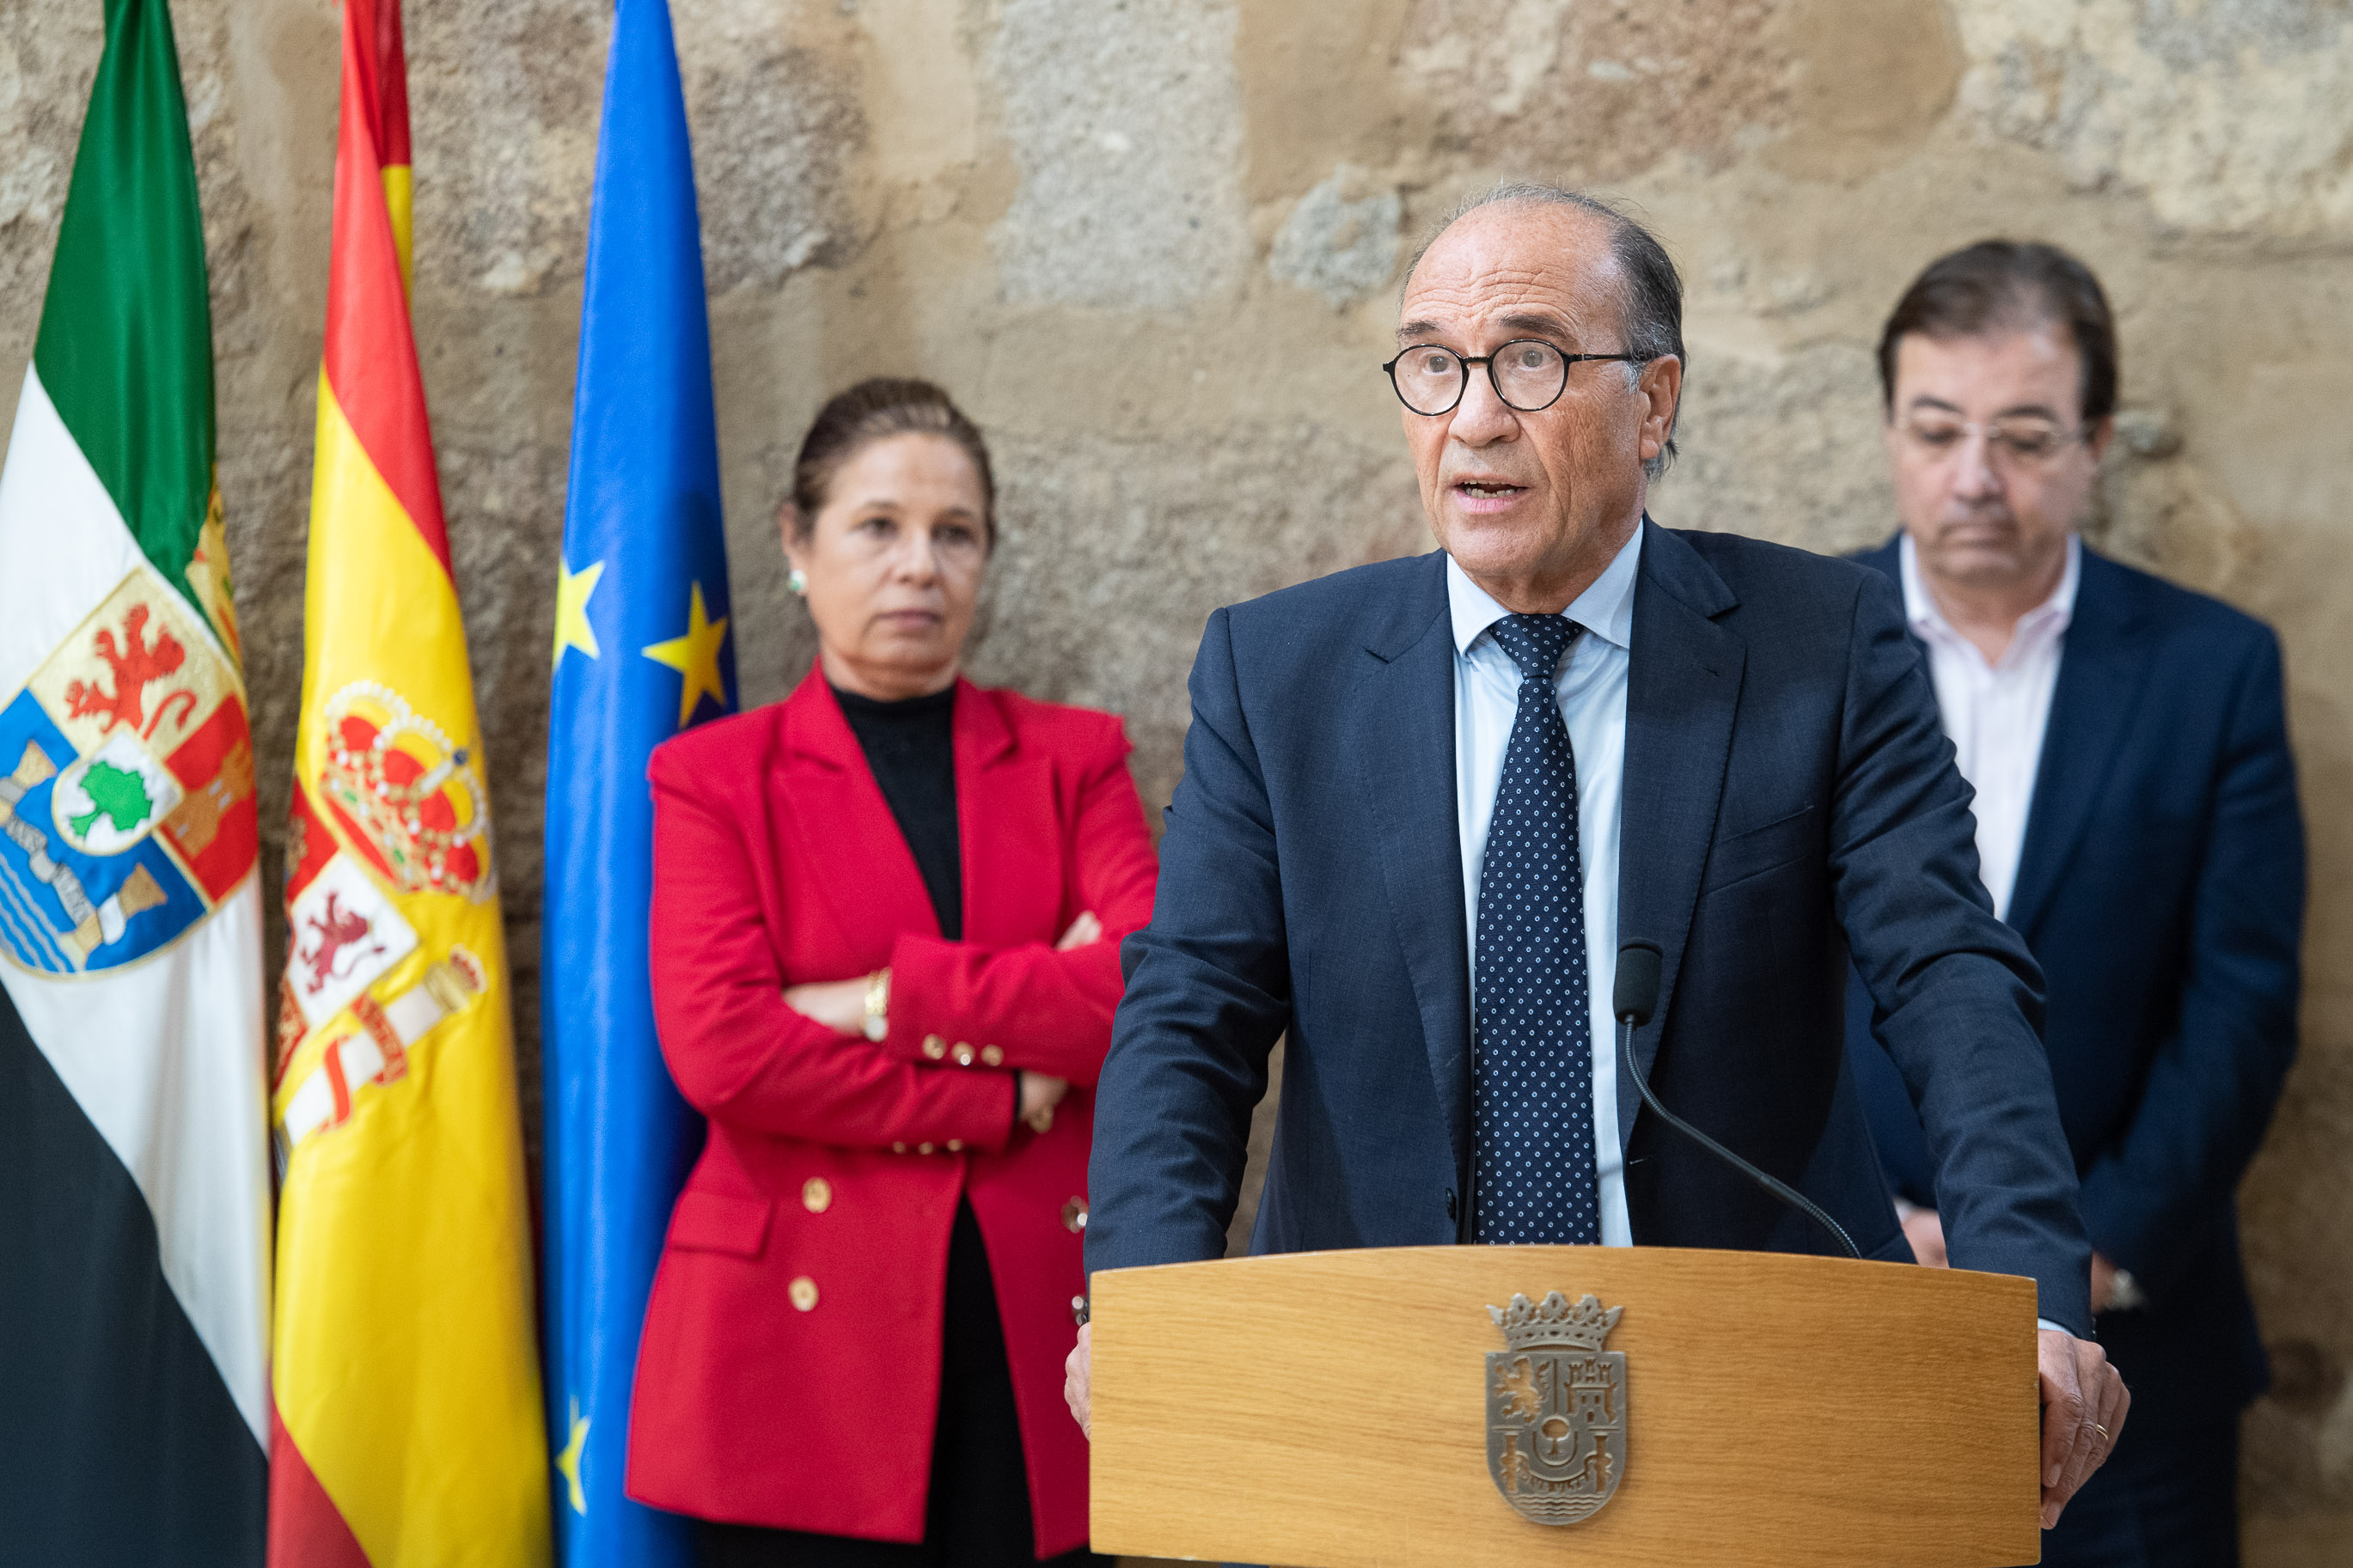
2103,1432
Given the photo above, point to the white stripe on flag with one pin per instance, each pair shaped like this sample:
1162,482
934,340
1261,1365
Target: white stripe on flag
65,544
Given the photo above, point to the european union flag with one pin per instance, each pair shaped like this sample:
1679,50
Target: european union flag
641,652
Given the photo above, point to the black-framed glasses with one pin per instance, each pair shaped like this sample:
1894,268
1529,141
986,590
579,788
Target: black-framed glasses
2024,439
1527,373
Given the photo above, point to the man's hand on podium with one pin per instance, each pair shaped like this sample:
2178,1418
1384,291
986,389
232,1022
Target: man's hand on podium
2084,1400
1925,1232
2084,1405
1074,1380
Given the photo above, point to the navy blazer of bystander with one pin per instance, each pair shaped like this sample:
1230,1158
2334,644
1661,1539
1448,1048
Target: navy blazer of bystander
2162,887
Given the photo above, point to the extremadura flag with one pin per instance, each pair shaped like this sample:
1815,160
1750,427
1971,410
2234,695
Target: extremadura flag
640,652
135,1188
406,1381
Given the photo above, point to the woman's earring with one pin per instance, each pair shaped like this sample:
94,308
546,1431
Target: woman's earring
797,580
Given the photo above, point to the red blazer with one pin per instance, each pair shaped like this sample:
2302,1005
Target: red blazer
789,1371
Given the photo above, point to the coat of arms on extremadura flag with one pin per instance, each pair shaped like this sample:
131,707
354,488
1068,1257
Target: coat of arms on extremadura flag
1556,1408
127,809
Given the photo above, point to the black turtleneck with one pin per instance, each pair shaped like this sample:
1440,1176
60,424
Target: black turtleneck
911,746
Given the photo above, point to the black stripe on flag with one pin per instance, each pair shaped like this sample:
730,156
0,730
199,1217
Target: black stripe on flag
118,1441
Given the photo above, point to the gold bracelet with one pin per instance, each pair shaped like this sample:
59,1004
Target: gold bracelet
878,1002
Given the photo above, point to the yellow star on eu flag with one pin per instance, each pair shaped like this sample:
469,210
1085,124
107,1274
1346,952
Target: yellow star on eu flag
695,655
572,591
567,1463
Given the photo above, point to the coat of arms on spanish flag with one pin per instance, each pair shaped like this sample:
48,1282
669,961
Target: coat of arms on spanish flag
406,1383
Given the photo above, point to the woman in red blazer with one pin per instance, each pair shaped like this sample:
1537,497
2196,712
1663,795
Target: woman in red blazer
885,929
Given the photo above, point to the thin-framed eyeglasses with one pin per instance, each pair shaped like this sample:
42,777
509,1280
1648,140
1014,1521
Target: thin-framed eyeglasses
2022,441
1527,373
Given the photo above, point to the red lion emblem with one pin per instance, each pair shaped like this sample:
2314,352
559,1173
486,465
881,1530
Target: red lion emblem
336,928
135,663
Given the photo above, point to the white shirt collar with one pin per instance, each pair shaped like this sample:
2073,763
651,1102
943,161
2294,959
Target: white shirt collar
1606,608
2049,617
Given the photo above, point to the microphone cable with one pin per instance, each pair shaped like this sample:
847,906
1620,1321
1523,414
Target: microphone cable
1632,1001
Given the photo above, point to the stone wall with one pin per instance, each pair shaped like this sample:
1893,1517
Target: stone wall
1153,242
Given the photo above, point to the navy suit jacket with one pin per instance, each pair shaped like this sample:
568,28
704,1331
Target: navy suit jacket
2162,887
1787,790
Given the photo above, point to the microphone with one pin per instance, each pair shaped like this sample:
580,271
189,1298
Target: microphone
1635,998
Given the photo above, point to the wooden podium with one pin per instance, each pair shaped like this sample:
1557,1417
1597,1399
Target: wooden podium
1332,1410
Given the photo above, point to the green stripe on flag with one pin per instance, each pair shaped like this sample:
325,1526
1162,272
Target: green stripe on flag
125,348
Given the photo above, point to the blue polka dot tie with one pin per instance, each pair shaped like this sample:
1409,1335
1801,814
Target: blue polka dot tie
1532,1024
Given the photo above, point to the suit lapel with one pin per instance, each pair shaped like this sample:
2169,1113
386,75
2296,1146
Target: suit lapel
843,828
1006,829
1682,690
1406,716
2102,670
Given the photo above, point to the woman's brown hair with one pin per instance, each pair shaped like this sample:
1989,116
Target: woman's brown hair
875,410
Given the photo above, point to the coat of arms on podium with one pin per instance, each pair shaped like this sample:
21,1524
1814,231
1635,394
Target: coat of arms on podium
1556,1408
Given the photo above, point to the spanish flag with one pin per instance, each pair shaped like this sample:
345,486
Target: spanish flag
406,1422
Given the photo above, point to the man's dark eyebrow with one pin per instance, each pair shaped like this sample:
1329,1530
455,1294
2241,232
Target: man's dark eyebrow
2038,410
1538,322
1544,322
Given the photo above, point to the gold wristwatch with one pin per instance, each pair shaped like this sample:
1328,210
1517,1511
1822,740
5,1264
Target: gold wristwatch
878,1004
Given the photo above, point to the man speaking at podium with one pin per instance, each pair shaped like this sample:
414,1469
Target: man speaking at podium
1425,802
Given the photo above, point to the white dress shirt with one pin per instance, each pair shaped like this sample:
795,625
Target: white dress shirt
1591,685
1996,713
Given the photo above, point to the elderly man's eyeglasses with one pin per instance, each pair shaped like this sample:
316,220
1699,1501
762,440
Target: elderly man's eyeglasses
2021,440
1528,375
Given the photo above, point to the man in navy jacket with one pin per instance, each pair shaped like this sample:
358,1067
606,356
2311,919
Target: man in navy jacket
2136,825
1398,839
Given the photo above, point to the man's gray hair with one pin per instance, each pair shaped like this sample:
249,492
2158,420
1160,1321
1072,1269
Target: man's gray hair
1653,302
